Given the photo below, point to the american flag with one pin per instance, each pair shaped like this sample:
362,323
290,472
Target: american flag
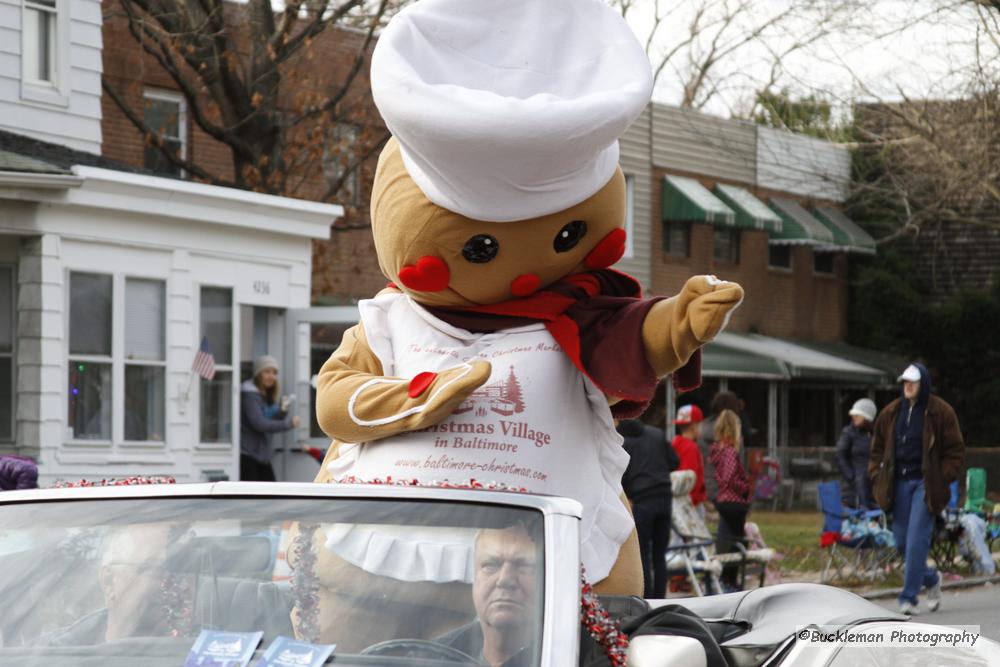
204,361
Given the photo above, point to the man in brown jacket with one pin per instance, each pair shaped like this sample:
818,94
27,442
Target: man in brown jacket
917,452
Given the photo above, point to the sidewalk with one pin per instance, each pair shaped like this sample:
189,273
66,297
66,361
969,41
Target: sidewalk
967,582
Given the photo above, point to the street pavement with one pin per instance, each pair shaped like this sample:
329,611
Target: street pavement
964,606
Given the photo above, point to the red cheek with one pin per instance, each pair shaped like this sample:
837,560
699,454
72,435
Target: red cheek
525,284
429,274
608,251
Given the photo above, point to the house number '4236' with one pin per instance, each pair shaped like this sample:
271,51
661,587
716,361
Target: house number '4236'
261,287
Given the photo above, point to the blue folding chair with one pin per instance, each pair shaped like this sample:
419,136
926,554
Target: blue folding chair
858,544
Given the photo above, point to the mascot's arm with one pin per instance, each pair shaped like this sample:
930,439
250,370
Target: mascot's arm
676,327
356,403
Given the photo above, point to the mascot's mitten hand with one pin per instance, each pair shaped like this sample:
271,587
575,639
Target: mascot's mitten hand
676,327
355,402
707,303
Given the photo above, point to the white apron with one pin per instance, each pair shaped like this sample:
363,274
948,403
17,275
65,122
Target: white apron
537,423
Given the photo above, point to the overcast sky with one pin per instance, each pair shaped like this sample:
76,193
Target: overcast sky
913,47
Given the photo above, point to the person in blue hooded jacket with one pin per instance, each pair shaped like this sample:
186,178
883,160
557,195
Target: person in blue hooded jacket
917,451
261,415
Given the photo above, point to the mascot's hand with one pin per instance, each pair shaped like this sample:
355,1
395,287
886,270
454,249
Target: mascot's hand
417,402
357,402
708,302
676,327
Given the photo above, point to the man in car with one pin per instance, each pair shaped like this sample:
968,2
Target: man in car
130,576
505,596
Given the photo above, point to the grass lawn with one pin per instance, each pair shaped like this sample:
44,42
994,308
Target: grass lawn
795,535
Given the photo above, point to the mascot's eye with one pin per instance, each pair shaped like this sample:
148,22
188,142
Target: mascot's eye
480,248
569,236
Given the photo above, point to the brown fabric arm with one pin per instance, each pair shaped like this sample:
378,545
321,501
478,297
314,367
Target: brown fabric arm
952,445
674,328
353,364
877,450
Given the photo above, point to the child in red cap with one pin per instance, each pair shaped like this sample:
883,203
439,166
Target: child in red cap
689,417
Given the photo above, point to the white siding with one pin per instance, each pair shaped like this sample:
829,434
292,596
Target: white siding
75,120
690,141
802,165
139,246
636,162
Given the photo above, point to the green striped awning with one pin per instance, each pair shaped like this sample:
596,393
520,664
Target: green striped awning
751,213
727,361
798,225
847,235
687,199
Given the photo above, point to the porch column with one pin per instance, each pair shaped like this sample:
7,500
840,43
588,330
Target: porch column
41,364
772,419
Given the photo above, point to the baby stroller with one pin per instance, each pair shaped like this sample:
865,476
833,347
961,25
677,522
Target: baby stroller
859,546
692,551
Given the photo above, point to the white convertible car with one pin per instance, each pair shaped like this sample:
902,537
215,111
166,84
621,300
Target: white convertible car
389,575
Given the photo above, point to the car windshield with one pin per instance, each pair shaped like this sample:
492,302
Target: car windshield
394,582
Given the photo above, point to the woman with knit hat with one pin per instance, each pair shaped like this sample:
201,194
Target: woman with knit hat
852,455
261,416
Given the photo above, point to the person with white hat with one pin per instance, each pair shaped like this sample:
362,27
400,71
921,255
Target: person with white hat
917,452
262,415
853,449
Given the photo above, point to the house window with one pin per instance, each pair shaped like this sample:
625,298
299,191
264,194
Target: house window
40,38
727,245
165,113
90,392
779,256
629,215
823,262
340,154
6,353
145,360
216,394
677,238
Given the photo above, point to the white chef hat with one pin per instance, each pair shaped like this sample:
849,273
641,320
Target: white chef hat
509,109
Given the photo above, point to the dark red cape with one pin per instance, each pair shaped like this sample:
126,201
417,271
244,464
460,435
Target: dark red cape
596,318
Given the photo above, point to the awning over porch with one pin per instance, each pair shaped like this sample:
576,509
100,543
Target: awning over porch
687,199
751,213
753,355
847,235
798,225
719,360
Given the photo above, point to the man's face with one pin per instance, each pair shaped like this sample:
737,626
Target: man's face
130,575
504,587
911,389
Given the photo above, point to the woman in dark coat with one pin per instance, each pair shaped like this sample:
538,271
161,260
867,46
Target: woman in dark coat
262,415
852,455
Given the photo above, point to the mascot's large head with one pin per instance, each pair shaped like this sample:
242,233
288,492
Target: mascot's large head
502,175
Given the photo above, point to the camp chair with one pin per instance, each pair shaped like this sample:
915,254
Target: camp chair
689,529
857,542
947,532
975,491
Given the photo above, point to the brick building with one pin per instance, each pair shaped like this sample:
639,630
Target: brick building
764,208
344,266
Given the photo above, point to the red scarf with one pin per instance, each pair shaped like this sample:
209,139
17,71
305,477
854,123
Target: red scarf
596,318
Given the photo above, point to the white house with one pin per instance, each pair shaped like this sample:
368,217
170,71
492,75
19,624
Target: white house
110,279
